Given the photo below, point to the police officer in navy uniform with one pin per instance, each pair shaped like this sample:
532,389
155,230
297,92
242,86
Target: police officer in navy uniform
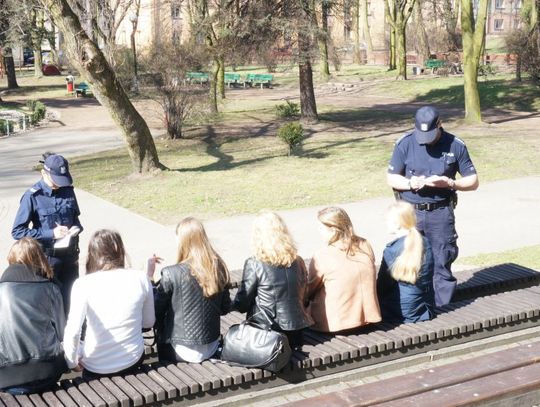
51,208
423,171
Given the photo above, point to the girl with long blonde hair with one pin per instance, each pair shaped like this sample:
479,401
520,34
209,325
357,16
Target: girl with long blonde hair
191,297
342,276
405,280
273,287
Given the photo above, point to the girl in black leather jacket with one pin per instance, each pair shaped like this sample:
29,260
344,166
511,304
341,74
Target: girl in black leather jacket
32,322
274,281
191,297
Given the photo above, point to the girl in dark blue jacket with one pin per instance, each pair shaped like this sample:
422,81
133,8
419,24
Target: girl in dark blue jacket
405,279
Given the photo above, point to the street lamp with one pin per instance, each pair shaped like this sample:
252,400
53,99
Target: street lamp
133,18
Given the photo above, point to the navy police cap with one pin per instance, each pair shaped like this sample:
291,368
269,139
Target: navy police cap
425,127
58,168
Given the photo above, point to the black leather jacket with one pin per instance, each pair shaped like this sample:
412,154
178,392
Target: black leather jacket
31,328
279,291
183,315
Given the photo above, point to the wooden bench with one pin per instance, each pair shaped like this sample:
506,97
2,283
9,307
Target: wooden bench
200,77
232,79
83,89
435,64
256,78
460,322
495,376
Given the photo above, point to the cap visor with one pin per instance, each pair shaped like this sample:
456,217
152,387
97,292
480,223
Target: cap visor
62,180
425,137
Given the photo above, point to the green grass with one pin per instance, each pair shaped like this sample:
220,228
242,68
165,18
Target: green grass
31,87
526,256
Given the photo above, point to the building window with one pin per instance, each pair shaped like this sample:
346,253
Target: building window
517,5
499,24
517,23
176,12
499,4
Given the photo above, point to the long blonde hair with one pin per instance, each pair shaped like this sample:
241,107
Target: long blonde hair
340,223
408,263
28,251
206,265
271,240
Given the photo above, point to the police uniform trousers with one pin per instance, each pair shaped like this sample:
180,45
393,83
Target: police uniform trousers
438,226
66,271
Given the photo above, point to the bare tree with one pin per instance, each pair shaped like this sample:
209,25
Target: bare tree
5,48
86,56
398,13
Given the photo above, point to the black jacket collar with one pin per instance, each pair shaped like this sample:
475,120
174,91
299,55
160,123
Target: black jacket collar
20,273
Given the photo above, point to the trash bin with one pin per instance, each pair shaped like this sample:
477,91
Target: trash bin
70,81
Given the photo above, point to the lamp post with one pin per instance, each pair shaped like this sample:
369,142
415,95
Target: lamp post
133,18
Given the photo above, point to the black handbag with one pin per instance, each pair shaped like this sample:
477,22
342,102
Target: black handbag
249,344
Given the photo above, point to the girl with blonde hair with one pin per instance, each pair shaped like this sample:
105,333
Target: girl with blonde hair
191,297
273,287
405,280
342,276
31,323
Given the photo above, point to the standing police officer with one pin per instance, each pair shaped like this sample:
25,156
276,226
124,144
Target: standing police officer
51,207
423,171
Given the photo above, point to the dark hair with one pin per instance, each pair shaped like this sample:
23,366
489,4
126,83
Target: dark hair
105,251
45,155
28,251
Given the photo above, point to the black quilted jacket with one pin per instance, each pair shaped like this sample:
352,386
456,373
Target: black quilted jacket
183,315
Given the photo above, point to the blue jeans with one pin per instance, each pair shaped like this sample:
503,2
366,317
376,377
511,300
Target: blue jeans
438,226
33,387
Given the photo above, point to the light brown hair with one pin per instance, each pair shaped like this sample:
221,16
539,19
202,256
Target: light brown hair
28,251
206,265
340,223
408,263
105,251
272,241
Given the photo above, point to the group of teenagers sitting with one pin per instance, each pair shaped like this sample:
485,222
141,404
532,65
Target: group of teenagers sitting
112,304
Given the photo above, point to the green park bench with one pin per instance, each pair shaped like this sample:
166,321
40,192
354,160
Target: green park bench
435,64
82,89
200,77
258,78
232,78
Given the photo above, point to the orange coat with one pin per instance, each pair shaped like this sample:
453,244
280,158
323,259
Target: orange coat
342,289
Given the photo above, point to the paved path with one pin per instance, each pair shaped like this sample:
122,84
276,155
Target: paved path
499,216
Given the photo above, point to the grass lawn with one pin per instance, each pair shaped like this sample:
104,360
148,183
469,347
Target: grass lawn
526,256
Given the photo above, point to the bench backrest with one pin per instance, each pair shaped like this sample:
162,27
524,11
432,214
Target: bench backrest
232,77
434,63
259,77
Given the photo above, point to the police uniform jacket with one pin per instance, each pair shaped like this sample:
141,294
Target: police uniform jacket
45,208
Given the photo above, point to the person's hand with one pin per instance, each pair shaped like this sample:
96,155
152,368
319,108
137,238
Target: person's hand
60,231
417,182
151,266
440,181
74,230
78,368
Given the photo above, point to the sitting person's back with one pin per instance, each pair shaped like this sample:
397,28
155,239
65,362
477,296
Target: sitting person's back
191,297
405,279
274,281
31,322
117,303
342,276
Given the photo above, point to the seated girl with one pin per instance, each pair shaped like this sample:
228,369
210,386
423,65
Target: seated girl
274,280
405,280
117,303
191,297
31,322
342,276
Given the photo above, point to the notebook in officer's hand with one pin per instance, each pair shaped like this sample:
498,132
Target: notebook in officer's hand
64,242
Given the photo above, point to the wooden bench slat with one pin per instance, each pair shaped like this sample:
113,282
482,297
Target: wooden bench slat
180,386
237,373
105,394
158,391
193,385
136,398
90,394
65,398
75,394
204,382
24,401
8,400
51,400
170,390
347,351
218,370
148,395
214,380
115,391
37,400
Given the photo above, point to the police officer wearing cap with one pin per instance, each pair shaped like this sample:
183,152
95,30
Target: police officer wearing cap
51,208
423,171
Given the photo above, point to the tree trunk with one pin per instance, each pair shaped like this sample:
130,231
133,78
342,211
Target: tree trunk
518,67
401,51
366,28
214,86
10,69
92,64
221,77
308,106
357,55
423,50
322,39
392,59
473,33
38,63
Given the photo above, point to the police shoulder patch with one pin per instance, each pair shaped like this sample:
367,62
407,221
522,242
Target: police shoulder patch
33,190
459,140
399,140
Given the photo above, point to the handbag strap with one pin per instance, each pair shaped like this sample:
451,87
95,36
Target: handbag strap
262,311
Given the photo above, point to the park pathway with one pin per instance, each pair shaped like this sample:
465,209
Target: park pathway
499,216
